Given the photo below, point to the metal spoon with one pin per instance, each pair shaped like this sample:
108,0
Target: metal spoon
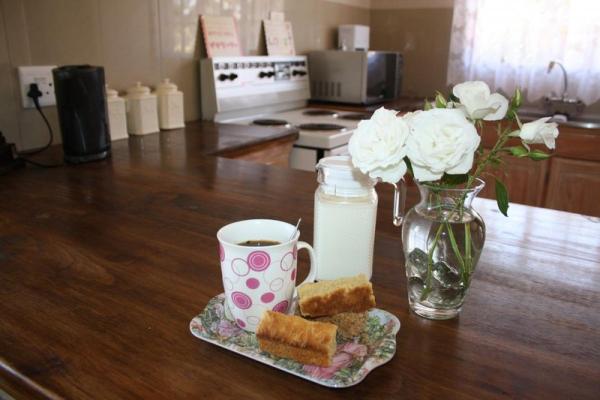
296,230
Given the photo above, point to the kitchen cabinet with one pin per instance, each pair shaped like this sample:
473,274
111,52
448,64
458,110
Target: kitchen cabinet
524,179
568,181
574,185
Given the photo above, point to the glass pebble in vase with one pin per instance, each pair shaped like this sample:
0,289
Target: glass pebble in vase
442,237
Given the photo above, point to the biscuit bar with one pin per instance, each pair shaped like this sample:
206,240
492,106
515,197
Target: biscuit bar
289,336
326,298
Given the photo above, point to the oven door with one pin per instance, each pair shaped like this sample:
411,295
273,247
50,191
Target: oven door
384,76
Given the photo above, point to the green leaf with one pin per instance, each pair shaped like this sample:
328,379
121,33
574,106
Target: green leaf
502,197
451,180
453,98
440,101
518,151
427,105
538,155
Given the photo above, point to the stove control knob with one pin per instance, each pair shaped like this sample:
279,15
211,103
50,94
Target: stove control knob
298,72
233,77
263,74
270,74
223,77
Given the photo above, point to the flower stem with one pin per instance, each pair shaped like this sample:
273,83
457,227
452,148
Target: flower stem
482,165
427,287
466,261
468,257
454,246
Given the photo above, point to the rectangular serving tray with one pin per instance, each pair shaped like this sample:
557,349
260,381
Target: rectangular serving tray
352,362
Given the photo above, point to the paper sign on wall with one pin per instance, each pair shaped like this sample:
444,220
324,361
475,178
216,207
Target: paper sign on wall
279,38
220,36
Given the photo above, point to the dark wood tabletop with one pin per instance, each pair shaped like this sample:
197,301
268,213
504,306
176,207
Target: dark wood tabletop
103,265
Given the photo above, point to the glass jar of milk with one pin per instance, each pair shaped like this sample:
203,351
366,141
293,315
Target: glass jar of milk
345,216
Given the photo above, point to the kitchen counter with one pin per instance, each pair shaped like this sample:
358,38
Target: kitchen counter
103,265
201,138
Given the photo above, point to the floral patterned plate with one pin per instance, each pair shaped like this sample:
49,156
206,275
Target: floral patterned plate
353,360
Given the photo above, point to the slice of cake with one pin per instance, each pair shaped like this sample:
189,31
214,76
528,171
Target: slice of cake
344,295
289,336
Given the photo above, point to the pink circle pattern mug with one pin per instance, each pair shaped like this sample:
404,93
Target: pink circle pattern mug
260,278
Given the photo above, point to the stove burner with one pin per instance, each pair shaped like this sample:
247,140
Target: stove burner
270,122
356,116
315,113
321,127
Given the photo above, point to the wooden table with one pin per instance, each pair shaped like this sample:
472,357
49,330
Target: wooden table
103,265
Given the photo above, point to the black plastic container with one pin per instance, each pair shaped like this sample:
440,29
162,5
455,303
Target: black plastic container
82,112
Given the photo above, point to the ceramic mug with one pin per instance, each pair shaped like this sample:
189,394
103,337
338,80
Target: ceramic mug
259,278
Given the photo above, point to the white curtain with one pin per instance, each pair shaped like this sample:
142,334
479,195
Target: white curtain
509,43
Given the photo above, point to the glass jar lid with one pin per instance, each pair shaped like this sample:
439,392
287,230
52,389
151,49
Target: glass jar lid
338,176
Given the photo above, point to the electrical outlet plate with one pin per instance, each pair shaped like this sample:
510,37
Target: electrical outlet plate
42,75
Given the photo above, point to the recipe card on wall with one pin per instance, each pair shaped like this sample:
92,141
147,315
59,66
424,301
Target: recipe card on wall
220,36
279,36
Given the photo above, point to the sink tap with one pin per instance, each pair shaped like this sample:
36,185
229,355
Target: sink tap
565,80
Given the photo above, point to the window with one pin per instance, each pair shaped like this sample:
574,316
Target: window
510,43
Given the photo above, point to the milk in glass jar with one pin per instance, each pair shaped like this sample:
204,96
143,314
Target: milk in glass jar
345,216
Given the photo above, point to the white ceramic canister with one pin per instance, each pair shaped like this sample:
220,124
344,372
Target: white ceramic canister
345,217
142,112
117,118
170,105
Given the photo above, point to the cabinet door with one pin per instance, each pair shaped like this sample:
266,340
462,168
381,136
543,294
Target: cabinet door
574,186
524,179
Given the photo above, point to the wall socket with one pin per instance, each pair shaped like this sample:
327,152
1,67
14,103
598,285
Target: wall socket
42,75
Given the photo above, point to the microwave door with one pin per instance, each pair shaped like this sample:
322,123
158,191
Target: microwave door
383,72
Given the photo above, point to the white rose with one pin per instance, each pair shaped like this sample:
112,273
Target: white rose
540,131
377,146
475,97
441,140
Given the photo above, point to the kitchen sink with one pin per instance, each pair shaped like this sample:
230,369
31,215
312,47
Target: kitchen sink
577,121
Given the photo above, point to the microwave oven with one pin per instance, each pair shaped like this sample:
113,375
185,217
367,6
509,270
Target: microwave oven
355,77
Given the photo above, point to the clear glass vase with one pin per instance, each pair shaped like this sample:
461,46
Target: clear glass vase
442,238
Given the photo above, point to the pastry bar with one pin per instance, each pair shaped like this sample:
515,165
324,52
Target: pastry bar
289,336
326,298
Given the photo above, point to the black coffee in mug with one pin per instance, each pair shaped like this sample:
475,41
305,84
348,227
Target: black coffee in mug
259,243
